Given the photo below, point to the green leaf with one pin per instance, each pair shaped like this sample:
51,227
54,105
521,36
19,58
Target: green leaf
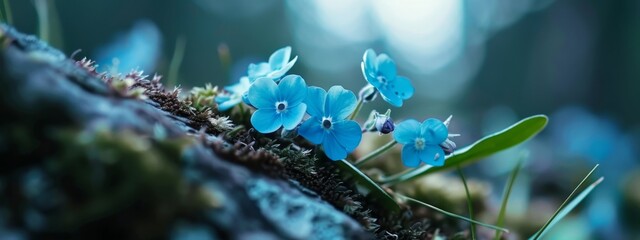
507,193
564,211
489,145
370,187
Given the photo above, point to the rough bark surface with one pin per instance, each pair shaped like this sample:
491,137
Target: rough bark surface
78,162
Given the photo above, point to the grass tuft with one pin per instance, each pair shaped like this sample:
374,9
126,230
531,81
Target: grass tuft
506,194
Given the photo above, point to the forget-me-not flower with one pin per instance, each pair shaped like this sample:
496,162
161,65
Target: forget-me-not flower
380,71
233,94
328,124
279,105
421,141
278,65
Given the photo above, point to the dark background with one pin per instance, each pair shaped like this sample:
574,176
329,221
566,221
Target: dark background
576,61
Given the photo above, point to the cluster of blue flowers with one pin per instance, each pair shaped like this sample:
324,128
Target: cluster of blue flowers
325,117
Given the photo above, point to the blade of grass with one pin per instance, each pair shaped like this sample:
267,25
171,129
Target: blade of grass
7,11
506,194
224,55
469,203
566,210
176,61
449,213
2,19
43,15
572,204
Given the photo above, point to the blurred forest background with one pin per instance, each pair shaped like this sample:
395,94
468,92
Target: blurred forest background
487,62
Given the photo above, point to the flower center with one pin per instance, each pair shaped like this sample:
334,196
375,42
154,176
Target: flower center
419,143
281,106
326,122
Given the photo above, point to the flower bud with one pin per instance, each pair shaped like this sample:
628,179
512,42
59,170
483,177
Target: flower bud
385,126
448,146
381,123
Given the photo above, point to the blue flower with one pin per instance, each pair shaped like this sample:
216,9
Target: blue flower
233,96
279,105
328,124
421,141
277,66
380,71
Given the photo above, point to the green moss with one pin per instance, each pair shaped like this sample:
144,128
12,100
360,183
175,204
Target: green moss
122,177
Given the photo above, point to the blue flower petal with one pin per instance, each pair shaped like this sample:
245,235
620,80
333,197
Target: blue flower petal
428,155
348,133
369,66
293,115
368,75
332,148
240,87
312,130
387,67
407,131
277,73
390,96
245,99
256,71
410,156
222,98
266,120
228,104
263,93
340,103
279,58
402,87
293,89
315,101
369,60
433,131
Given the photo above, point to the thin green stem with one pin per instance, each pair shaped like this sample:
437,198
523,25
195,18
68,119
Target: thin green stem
564,203
7,12
2,19
176,61
357,110
505,197
224,55
241,110
451,214
42,9
469,202
393,179
375,154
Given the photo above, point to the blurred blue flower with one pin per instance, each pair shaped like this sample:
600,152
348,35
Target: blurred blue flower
233,95
137,49
188,231
279,105
277,66
421,141
328,124
380,71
